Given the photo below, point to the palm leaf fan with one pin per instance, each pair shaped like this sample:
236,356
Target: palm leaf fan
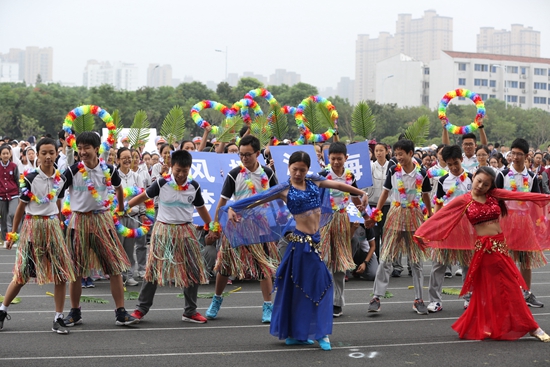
139,131
260,128
311,119
84,123
278,122
117,123
324,116
173,126
229,129
418,131
362,120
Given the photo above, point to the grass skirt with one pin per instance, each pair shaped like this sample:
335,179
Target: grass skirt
175,253
529,259
42,253
258,261
497,308
398,234
451,257
95,244
336,243
303,304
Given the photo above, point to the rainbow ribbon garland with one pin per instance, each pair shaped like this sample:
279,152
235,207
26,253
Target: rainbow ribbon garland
206,104
435,172
84,110
144,228
417,200
46,199
307,136
243,105
451,190
460,130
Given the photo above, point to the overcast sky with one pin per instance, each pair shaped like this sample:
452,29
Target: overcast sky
313,38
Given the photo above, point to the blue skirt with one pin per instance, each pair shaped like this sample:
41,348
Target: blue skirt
303,304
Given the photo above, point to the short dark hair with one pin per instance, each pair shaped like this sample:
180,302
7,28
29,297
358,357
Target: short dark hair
122,150
243,131
61,134
439,147
182,158
46,141
250,140
451,152
144,154
404,144
185,141
299,156
164,145
485,148
469,136
89,138
337,148
520,144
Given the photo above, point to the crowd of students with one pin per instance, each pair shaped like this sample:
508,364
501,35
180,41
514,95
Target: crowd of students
308,265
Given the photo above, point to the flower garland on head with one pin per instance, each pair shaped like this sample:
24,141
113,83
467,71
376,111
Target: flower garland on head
417,201
46,199
91,188
513,184
263,179
349,180
451,190
173,184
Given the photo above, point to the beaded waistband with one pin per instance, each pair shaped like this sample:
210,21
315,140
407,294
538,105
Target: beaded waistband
29,216
92,212
490,245
294,237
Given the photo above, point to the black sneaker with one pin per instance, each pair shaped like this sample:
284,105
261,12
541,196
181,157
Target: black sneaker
123,318
420,307
3,316
448,274
532,301
336,311
395,274
59,326
74,318
374,305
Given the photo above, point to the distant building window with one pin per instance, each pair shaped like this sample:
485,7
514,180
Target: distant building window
494,68
522,99
483,96
461,81
521,85
511,84
512,69
539,100
523,70
512,98
461,66
492,96
492,83
427,71
481,67
539,71
481,82
540,86
426,85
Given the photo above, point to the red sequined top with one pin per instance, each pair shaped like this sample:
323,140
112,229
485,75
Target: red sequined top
479,213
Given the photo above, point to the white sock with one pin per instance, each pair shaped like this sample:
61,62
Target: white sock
268,302
3,308
58,315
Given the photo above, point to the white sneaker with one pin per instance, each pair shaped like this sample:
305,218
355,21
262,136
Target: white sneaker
435,307
458,272
466,303
131,282
141,274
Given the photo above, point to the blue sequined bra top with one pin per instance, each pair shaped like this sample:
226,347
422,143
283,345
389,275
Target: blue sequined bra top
299,201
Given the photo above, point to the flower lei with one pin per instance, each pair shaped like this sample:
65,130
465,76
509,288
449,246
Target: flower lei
144,228
98,111
307,136
12,236
91,188
513,184
417,201
435,172
215,227
349,180
451,190
460,130
263,178
173,184
46,199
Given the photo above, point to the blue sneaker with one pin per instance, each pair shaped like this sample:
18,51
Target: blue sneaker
74,318
214,308
267,311
324,343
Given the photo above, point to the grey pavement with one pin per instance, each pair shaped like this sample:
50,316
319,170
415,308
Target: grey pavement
396,336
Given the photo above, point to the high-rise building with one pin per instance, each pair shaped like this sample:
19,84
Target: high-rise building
519,41
32,61
281,76
9,72
249,74
422,39
345,88
122,76
159,76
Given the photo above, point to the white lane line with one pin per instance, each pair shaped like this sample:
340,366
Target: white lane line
232,352
195,328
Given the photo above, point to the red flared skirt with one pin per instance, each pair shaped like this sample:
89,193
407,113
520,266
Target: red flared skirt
497,307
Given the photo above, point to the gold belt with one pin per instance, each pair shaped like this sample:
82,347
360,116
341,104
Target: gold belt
298,238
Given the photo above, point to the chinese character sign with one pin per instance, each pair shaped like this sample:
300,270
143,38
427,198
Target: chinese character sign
281,154
358,162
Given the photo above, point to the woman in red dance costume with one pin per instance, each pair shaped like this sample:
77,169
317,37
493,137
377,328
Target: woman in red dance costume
472,221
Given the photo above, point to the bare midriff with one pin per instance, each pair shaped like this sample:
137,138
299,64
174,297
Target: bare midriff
308,221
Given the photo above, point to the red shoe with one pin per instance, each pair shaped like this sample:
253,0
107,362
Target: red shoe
229,281
137,314
196,318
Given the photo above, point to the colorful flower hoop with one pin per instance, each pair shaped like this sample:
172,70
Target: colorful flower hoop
287,110
264,93
84,110
307,136
206,104
460,130
243,105
144,228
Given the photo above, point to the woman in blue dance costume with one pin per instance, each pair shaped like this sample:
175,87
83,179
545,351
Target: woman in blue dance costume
303,306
